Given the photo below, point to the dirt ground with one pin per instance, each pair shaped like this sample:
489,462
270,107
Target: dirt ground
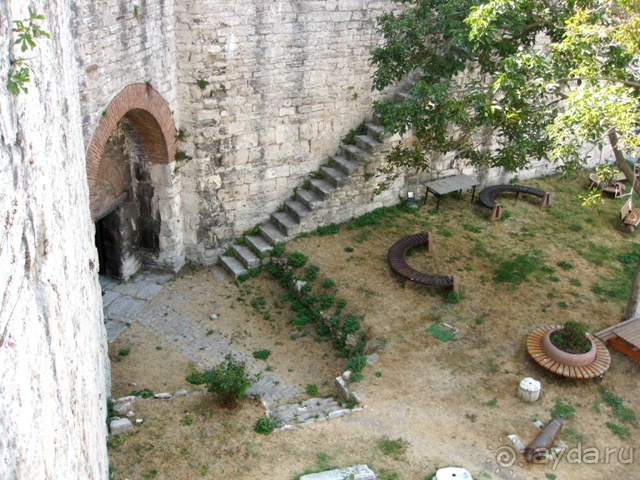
449,403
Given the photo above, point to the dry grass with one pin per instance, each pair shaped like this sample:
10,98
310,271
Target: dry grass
449,401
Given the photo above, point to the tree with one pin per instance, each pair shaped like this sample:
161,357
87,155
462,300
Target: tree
502,82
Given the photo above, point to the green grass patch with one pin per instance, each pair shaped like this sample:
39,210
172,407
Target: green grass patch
440,331
393,448
563,410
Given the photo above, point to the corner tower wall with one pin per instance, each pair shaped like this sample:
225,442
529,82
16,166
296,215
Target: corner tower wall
53,350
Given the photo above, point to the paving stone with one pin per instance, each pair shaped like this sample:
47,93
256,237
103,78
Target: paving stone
125,306
113,330
108,297
149,291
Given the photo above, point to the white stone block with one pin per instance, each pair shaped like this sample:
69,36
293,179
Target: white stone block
453,473
358,472
529,390
118,426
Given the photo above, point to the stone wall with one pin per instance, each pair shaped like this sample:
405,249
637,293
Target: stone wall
266,91
53,353
118,43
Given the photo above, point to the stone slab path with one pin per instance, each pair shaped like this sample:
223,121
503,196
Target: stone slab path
142,299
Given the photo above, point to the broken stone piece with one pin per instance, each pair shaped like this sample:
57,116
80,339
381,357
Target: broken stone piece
122,407
343,391
162,395
357,472
118,426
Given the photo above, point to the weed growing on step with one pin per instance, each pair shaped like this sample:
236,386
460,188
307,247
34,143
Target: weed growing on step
350,138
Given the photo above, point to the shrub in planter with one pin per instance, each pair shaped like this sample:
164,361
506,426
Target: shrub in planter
572,338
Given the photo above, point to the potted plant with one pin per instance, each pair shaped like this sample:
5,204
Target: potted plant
569,344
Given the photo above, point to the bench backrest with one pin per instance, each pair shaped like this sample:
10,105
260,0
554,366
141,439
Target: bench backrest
625,210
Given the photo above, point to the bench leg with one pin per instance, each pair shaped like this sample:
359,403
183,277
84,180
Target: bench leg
456,284
546,200
430,247
496,213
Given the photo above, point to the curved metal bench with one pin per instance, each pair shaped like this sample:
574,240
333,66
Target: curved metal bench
396,258
488,197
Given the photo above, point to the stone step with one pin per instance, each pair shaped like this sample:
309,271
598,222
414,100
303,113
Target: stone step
334,176
259,246
233,266
379,133
272,234
286,223
356,154
296,209
349,167
322,188
309,198
246,256
369,144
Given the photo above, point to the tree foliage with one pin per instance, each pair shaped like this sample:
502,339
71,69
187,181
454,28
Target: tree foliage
503,82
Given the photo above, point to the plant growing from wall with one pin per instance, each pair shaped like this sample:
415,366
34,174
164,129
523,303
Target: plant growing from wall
202,83
27,31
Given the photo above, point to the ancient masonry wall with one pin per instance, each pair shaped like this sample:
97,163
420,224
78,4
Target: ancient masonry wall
266,91
53,352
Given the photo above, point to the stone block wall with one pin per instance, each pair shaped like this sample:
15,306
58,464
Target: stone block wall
266,91
118,43
53,351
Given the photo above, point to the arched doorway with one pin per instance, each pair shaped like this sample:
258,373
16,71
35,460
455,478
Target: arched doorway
132,186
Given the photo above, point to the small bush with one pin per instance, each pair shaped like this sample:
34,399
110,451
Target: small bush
311,389
330,229
277,250
229,380
262,354
452,297
311,273
297,259
264,426
357,363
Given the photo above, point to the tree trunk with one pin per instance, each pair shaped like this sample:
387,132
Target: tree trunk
622,164
633,302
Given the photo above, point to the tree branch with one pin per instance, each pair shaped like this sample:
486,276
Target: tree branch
628,83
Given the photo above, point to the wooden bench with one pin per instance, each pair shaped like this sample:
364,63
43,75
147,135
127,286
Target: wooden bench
396,257
488,197
630,217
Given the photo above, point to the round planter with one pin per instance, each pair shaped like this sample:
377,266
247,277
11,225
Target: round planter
566,358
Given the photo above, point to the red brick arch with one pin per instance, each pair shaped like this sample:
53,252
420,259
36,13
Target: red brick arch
151,120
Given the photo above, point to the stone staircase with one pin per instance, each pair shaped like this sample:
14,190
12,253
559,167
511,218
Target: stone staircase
341,189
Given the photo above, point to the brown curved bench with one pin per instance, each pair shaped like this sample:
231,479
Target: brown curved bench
488,197
396,258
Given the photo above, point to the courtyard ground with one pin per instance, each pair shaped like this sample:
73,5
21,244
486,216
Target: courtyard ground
429,403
